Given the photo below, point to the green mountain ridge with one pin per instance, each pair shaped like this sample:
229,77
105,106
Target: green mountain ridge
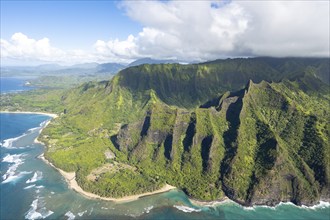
190,85
255,130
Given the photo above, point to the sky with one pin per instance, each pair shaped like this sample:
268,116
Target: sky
71,32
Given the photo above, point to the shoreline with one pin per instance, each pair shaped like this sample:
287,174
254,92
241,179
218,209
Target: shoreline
225,200
70,178
52,115
213,203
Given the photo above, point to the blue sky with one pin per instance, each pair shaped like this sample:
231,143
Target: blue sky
70,32
69,24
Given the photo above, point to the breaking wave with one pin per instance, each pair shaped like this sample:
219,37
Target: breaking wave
8,143
321,205
70,215
37,213
36,177
80,214
186,208
148,209
30,186
11,175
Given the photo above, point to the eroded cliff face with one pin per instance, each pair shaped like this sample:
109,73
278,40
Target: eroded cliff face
251,145
261,142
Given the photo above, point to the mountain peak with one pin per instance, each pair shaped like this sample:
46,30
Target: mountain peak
149,60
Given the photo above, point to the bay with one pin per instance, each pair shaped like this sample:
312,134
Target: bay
14,84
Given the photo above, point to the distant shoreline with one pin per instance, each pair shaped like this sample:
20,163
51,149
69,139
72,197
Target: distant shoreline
53,115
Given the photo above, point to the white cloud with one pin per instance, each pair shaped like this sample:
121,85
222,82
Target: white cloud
22,47
199,30
186,30
287,28
125,49
209,29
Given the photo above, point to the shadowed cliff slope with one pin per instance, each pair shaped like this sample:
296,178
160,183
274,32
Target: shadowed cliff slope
255,130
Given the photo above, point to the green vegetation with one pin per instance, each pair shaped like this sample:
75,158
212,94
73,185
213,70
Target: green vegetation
66,81
255,130
41,100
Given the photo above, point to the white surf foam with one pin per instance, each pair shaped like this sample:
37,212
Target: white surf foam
30,186
31,130
14,178
12,158
16,160
36,177
70,215
321,205
186,208
8,143
80,214
248,208
37,213
148,209
91,211
42,124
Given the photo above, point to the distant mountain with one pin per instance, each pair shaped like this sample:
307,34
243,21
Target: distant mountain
255,130
109,67
49,67
55,69
151,61
85,66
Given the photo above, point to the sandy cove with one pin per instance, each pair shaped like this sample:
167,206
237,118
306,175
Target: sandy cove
52,115
37,113
70,178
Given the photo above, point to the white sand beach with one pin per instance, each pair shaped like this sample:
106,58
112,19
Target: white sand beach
70,178
26,112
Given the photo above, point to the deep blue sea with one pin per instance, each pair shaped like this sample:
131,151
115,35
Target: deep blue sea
31,189
14,84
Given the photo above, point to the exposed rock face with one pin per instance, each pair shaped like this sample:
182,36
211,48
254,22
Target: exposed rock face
109,154
254,141
248,156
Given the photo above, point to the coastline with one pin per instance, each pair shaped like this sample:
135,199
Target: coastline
196,202
52,115
70,178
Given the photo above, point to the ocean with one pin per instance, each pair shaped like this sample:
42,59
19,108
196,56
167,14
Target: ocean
31,189
14,84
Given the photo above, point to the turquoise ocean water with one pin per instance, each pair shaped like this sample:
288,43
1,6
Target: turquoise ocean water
30,189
